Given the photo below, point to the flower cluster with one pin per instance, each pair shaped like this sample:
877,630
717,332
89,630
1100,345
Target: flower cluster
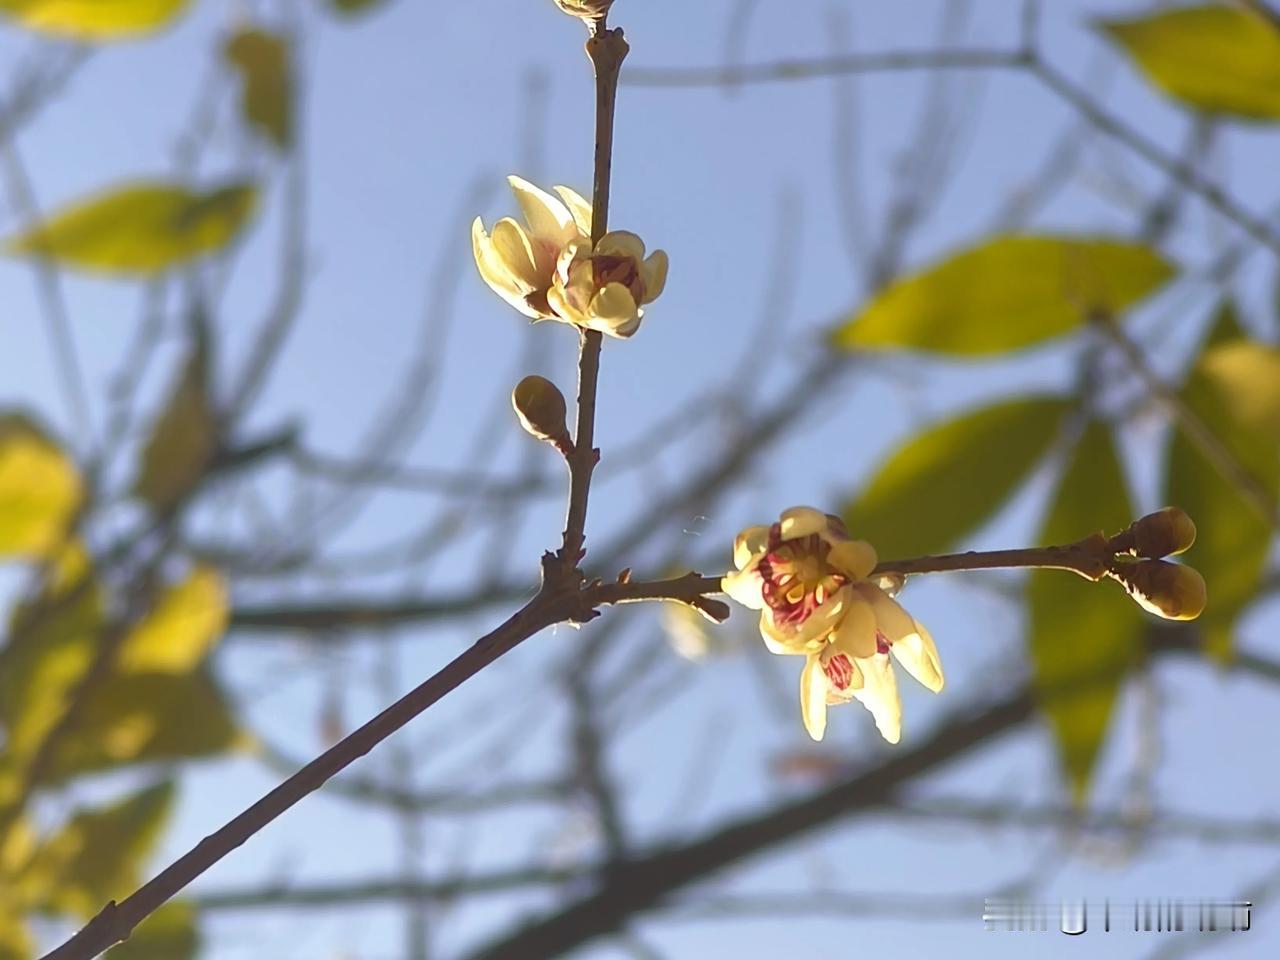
814,589
549,269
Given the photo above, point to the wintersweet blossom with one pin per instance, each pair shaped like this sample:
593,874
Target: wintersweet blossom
814,589
549,269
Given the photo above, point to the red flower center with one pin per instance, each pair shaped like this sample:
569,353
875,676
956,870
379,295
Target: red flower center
839,670
797,577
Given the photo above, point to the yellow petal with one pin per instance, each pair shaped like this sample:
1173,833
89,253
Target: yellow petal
621,243
613,311
580,209
919,657
744,586
813,697
879,694
749,543
495,273
561,305
891,620
856,634
653,273
813,630
516,253
855,558
802,521
546,216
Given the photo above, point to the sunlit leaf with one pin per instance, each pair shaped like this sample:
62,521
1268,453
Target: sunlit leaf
40,489
142,228
187,619
170,933
1083,636
266,99
948,480
99,854
50,646
183,438
1007,293
93,20
147,718
1211,57
1234,388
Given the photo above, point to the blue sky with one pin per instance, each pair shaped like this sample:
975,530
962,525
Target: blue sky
412,117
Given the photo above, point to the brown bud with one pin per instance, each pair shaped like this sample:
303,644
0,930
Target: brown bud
1170,590
585,9
1163,533
541,408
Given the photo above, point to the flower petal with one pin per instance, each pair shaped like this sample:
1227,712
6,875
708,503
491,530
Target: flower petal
813,697
513,247
746,587
748,544
547,217
856,634
653,273
891,620
613,311
621,243
495,272
580,209
562,305
801,521
879,694
919,657
856,558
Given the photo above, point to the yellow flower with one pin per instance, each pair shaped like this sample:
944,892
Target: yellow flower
550,270
604,288
812,585
519,262
586,9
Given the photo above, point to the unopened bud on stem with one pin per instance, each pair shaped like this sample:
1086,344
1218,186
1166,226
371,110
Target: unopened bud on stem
1161,534
1170,590
541,408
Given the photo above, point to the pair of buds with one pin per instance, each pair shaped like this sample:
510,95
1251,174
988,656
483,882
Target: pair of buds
1170,590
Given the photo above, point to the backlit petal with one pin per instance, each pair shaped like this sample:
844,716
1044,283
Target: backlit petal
612,309
894,622
621,243
562,305
653,273
495,272
856,558
516,252
546,216
749,543
801,521
813,698
879,694
745,587
919,657
580,209
856,634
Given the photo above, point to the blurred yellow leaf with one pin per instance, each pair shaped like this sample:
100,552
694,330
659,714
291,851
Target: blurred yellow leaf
147,718
1234,390
50,646
1007,293
168,934
183,438
948,480
15,938
93,20
99,854
141,228
263,61
186,621
1211,57
40,489
1083,636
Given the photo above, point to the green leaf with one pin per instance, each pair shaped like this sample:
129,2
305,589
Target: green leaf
947,481
93,20
266,100
186,621
51,644
40,489
141,228
1211,57
183,438
349,7
147,718
15,938
99,854
1234,388
168,934
1007,293
1083,636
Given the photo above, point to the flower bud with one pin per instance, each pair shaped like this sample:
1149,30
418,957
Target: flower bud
585,9
1170,590
541,408
1163,533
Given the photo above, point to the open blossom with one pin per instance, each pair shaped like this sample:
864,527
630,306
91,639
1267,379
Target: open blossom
550,270
812,585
